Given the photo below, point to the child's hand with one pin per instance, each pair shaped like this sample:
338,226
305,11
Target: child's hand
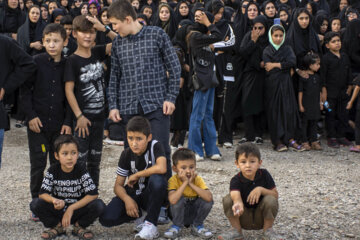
66,220
183,177
65,130
35,125
254,196
349,105
269,66
96,23
301,108
262,64
192,177
132,208
238,209
82,126
58,204
132,180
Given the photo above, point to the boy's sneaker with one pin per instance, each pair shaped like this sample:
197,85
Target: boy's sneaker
243,140
332,142
149,231
258,140
163,216
139,223
344,142
173,232
232,234
228,145
201,232
34,218
270,234
215,157
199,158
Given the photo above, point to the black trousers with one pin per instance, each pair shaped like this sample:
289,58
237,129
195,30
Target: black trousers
90,149
357,125
50,217
308,130
41,145
253,126
160,129
337,120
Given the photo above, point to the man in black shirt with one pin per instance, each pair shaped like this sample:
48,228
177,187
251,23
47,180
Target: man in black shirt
45,106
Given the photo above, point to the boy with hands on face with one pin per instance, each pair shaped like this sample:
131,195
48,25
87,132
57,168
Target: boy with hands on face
190,199
252,203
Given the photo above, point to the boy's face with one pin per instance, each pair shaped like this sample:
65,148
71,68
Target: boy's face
187,167
334,44
123,28
67,156
68,28
85,39
248,165
138,142
54,44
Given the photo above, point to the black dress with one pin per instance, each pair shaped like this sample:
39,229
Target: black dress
311,88
281,107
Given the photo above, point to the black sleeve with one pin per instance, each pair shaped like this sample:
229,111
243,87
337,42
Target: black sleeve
290,61
158,151
270,184
266,56
247,46
235,184
99,52
198,39
124,164
24,66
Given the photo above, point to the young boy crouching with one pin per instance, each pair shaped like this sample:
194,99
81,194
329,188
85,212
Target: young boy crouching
189,197
253,200
68,195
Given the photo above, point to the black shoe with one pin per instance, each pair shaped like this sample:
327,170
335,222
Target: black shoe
344,142
332,142
258,140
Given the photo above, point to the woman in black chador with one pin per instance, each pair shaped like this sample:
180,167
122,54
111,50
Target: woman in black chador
251,49
281,107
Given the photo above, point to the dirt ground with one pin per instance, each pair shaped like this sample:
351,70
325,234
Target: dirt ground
318,192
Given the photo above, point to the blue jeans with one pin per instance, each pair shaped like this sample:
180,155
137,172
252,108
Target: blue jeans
1,142
202,112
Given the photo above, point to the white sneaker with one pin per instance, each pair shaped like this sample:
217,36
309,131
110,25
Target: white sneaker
173,232
215,157
148,232
139,223
228,145
199,158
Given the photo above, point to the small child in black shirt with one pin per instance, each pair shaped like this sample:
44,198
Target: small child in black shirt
337,78
84,87
356,148
68,195
309,95
253,200
143,165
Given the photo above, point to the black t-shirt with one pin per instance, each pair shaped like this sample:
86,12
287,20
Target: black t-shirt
70,187
311,88
131,163
245,186
88,75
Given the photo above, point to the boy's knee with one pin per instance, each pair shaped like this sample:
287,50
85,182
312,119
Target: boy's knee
157,182
269,205
179,204
227,205
205,205
97,206
36,204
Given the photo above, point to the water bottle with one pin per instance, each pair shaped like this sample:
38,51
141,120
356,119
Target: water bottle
327,106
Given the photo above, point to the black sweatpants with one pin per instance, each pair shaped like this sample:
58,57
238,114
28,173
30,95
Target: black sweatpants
337,120
50,217
40,146
308,130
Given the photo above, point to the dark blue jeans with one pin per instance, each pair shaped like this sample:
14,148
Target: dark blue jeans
160,129
150,200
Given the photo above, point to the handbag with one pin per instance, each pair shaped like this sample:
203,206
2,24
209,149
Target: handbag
203,77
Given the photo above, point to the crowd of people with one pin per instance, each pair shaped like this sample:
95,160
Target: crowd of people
138,70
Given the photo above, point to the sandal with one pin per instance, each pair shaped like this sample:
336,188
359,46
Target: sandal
306,145
296,147
281,148
51,234
81,232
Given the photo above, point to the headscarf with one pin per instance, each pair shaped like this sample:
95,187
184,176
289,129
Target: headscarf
177,15
169,26
277,47
201,27
228,13
57,12
98,7
262,40
323,5
180,36
242,23
318,21
290,3
286,23
352,37
11,19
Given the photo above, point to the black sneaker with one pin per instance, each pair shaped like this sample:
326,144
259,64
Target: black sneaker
344,142
258,140
332,142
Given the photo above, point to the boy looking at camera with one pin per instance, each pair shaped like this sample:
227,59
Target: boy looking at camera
143,165
252,203
190,199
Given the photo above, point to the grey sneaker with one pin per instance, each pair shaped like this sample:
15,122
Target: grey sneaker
163,216
173,232
201,232
270,234
149,231
232,234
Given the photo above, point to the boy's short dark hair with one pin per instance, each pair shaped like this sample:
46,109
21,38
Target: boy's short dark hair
81,24
64,139
310,59
183,154
55,28
139,124
66,20
248,149
330,35
120,9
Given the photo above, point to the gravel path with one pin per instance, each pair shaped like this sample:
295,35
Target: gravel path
318,192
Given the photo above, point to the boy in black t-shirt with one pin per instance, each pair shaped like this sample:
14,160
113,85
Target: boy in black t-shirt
68,195
84,87
252,203
143,164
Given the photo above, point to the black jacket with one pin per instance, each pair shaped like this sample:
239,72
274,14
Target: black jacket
16,67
